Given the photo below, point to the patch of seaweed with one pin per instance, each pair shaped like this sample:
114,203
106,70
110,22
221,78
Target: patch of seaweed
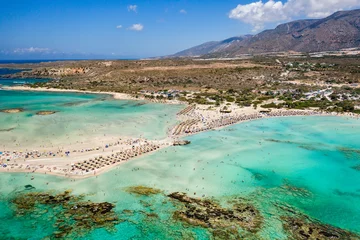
74,216
357,167
258,176
142,190
277,141
295,191
308,147
71,104
7,129
350,194
350,153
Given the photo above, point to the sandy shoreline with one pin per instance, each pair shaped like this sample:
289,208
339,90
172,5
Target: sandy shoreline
115,95
95,160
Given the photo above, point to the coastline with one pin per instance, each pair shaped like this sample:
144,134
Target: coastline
40,167
115,95
197,119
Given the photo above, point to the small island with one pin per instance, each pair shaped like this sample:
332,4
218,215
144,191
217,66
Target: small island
43,113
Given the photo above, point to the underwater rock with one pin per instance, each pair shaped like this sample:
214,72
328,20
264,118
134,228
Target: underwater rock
70,104
258,176
73,215
181,143
208,214
142,190
12,110
296,191
128,212
7,129
140,104
304,228
300,226
351,194
308,147
350,153
145,203
357,167
44,113
277,141
29,187
149,215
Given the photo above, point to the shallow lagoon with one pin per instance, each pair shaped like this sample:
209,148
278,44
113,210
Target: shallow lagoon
78,118
308,164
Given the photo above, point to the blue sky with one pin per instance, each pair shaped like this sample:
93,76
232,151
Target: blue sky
143,28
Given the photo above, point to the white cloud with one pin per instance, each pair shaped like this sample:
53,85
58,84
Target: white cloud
136,27
183,11
259,13
32,50
132,8
119,26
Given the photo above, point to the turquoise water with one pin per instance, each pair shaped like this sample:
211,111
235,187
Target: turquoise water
78,118
306,163
5,82
16,81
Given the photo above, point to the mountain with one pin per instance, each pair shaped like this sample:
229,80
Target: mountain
338,31
211,47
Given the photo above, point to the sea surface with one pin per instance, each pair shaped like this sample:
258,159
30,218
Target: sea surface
5,82
35,61
310,165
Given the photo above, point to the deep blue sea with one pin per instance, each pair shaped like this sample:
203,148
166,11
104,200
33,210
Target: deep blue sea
16,81
34,61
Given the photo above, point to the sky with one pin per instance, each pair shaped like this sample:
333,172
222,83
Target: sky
120,29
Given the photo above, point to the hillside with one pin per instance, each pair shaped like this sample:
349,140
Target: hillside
338,31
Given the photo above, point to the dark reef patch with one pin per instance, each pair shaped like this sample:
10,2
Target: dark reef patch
74,216
300,226
29,187
357,167
142,190
350,194
304,228
222,222
295,191
7,129
350,153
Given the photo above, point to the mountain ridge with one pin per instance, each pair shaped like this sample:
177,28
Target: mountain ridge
335,32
